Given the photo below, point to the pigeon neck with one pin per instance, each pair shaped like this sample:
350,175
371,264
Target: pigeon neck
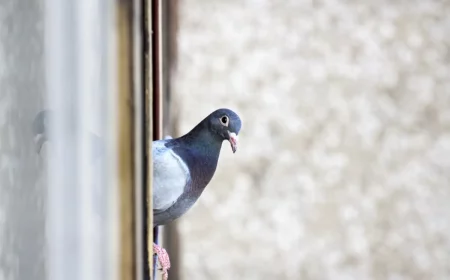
202,140
201,157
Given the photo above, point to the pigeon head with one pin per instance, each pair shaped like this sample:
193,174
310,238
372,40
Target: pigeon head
225,124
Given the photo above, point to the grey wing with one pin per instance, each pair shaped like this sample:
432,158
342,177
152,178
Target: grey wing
170,176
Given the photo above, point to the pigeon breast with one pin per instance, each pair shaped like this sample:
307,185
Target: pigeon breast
170,176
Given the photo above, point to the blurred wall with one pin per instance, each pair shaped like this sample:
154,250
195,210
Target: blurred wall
22,190
343,166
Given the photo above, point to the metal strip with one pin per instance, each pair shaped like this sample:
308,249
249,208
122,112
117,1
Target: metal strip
140,136
148,84
157,70
169,47
157,89
126,169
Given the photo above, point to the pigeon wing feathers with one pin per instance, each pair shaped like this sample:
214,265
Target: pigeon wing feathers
170,176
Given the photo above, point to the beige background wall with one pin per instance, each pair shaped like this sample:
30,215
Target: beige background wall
343,168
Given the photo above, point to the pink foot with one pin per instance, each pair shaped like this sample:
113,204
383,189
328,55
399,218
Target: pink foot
163,259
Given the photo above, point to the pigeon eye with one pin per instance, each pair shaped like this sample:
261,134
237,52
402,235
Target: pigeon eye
224,120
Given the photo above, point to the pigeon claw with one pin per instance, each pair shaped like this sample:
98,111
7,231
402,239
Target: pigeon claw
163,259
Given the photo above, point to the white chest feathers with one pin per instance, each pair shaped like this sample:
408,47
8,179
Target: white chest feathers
170,176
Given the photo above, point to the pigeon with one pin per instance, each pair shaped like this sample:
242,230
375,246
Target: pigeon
182,167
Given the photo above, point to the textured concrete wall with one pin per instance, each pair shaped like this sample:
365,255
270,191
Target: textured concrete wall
343,169
22,187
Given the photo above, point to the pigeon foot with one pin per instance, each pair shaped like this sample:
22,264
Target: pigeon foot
163,259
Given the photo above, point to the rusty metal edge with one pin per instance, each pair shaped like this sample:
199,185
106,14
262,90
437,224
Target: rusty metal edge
148,88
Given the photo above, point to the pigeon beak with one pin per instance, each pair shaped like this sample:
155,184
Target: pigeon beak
233,138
